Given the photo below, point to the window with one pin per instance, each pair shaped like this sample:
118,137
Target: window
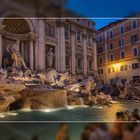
100,71
89,23
111,57
111,34
100,49
122,29
111,46
101,60
79,63
67,60
122,54
112,69
109,70
90,64
121,42
78,36
135,65
133,24
135,51
66,32
99,38
121,68
134,38
136,79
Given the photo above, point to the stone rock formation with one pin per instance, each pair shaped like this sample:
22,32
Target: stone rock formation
39,98
3,75
10,98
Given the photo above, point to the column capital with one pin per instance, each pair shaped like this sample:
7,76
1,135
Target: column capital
60,23
1,28
32,36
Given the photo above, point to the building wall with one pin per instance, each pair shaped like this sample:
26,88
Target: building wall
111,69
73,43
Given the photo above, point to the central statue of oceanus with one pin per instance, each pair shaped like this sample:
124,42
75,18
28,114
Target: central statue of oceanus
18,61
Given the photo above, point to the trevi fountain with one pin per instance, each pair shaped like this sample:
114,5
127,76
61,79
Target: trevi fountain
49,95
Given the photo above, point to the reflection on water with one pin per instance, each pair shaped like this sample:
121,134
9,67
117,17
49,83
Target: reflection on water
72,113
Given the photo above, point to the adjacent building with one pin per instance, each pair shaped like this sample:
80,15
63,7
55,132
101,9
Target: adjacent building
119,50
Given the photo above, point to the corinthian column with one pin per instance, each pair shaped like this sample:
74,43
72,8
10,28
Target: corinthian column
73,49
61,63
18,44
41,45
1,30
31,54
32,39
95,54
85,53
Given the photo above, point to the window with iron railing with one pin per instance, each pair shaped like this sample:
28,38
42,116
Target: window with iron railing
134,38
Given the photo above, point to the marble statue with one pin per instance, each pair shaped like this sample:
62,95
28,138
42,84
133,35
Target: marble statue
88,83
50,58
18,61
62,79
3,75
55,78
51,76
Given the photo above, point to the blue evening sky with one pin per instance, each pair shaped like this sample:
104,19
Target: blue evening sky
104,9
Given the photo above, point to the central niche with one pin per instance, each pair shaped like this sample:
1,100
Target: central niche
50,56
15,27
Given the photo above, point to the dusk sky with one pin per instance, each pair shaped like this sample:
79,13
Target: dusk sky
104,9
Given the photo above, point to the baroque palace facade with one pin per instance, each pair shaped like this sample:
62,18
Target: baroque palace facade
72,41
119,50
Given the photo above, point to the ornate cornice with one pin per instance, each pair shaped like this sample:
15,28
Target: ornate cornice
61,22
28,36
51,40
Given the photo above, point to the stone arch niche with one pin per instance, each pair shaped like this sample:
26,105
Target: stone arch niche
18,30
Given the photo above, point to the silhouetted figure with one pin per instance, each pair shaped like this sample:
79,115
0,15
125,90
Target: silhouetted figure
135,115
35,137
118,116
63,132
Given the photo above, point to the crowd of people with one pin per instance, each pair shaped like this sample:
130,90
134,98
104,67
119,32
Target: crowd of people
99,131
128,116
118,131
